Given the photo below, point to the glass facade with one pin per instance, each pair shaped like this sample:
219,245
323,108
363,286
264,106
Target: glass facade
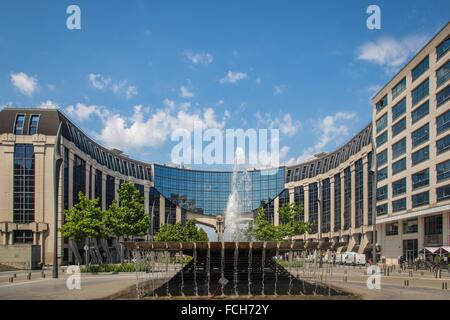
325,220
207,192
359,193
420,68
79,178
443,122
399,148
420,179
442,96
420,155
420,136
313,194
399,88
442,48
420,112
110,190
24,183
399,127
347,198
442,145
154,199
443,171
34,124
337,202
399,109
399,187
443,74
420,92
299,199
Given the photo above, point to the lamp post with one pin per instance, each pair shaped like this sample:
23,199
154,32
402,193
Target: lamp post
57,162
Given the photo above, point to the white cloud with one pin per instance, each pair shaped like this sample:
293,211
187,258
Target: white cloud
98,81
48,105
233,77
83,112
389,52
51,87
24,83
103,83
286,124
185,93
131,91
199,58
277,90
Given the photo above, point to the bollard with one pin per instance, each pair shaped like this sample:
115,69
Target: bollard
43,274
444,285
388,272
14,275
11,279
406,282
440,273
29,276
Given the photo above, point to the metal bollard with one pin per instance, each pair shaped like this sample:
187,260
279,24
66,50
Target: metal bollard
444,286
406,282
11,279
29,276
43,274
14,275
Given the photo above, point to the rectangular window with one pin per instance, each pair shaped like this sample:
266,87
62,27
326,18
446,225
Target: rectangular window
420,155
420,112
382,174
399,127
442,48
337,202
433,225
399,187
399,205
420,199
399,109
443,144
420,68
443,74
381,104
22,237
420,136
347,198
443,193
382,158
382,193
18,126
443,171
382,209
443,122
392,229
399,166
381,123
442,96
34,125
420,92
410,226
420,179
313,206
399,148
24,183
399,88
382,138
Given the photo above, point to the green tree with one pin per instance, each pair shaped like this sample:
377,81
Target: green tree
126,216
181,233
84,220
261,229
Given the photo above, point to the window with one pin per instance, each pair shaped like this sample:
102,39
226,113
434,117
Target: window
442,96
399,205
420,155
433,225
420,112
443,171
399,127
399,88
420,199
399,148
443,74
399,187
34,125
443,144
381,104
420,179
382,174
382,138
420,136
24,183
420,92
399,109
337,202
325,212
22,236
442,49
382,158
382,193
410,226
18,126
392,229
443,122
398,166
313,206
79,178
443,193
381,123
347,198
382,209
420,68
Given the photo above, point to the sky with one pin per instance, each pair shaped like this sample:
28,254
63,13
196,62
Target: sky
137,70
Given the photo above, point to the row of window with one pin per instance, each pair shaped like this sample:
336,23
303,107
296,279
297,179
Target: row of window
19,125
432,226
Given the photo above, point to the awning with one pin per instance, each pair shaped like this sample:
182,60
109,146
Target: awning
446,249
432,249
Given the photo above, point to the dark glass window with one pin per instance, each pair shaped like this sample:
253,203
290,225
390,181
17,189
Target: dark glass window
420,92
170,212
382,174
370,181
392,229
299,199
399,148
347,198
399,127
420,179
420,199
381,104
443,74
79,178
399,166
399,88
398,187
420,68
443,122
337,202
359,193
443,144
420,112
382,158
382,193
154,209
420,136
18,126
442,48
313,206
443,171
381,139
420,155
34,125
381,209
443,193
433,225
22,237
399,109
410,226
98,187
399,205
325,221
442,96
66,178
110,193
381,123
24,183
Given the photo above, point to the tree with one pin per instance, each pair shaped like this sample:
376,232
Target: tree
84,220
126,216
261,229
181,233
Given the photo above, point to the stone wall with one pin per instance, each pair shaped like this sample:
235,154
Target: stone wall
21,256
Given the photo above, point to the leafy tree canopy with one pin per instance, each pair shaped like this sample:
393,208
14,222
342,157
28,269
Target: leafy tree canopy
181,233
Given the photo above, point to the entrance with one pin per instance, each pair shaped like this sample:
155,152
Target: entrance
410,250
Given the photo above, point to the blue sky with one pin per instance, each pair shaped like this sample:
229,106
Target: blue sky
139,69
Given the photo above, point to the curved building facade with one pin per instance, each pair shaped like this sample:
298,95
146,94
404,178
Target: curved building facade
403,154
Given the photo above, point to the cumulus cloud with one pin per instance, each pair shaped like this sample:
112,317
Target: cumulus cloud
26,84
48,105
286,124
185,93
83,112
389,52
131,91
199,58
103,83
98,81
277,90
233,77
